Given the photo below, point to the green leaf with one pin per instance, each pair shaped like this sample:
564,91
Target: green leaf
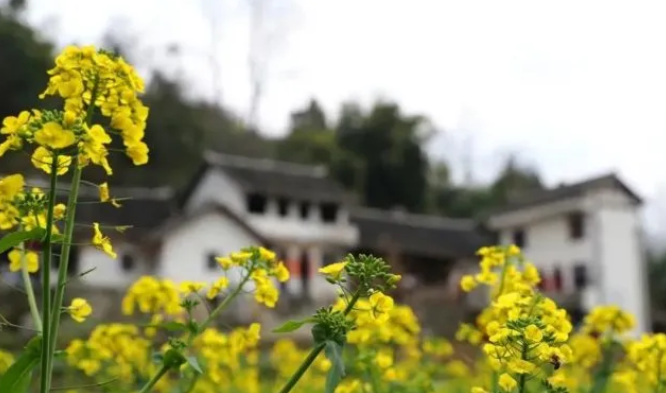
13,239
17,378
290,326
194,363
333,351
173,326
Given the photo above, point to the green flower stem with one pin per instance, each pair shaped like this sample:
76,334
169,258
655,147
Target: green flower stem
63,266
523,377
225,303
27,283
153,381
602,376
47,357
316,350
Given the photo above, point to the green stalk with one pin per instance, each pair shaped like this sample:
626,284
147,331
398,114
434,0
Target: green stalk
225,303
316,350
602,376
153,381
523,378
47,356
32,302
56,310
63,267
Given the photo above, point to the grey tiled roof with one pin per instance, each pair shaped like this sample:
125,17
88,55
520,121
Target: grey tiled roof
418,234
566,191
276,178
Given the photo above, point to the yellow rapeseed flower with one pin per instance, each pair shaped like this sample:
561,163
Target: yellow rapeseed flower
79,309
334,270
31,260
219,285
102,242
507,383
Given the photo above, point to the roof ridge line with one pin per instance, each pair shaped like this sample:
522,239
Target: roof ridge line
415,219
265,164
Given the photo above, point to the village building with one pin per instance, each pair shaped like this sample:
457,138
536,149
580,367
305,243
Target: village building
585,238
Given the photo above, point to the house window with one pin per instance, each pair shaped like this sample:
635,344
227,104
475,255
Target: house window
256,203
557,279
211,262
576,225
304,210
283,207
127,262
519,238
329,212
581,278
73,266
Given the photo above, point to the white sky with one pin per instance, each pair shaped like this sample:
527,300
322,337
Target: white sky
577,88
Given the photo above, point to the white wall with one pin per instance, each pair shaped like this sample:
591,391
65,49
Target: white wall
217,187
185,249
108,272
548,245
622,266
611,247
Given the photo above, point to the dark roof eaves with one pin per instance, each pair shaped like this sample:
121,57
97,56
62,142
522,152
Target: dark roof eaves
562,193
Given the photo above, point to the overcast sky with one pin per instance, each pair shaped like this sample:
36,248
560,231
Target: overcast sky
577,88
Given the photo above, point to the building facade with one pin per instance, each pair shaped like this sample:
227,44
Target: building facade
586,240
584,237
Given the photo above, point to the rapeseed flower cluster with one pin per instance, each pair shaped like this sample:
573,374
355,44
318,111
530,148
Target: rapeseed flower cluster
112,351
525,334
85,78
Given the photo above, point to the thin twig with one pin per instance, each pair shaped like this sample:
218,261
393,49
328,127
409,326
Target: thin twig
92,385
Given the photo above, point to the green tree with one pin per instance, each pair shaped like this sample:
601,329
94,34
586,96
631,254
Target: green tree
383,157
514,181
309,140
25,60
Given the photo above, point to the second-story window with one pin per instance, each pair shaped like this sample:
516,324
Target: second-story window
304,210
557,279
519,238
256,203
127,262
211,262
329,212
283,207
581,278
576,223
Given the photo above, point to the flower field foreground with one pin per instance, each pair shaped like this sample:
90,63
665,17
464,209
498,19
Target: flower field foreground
363,343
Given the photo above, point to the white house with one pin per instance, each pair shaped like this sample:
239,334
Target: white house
584,237
300,212
586,240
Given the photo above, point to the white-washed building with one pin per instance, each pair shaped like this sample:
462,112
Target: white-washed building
586,239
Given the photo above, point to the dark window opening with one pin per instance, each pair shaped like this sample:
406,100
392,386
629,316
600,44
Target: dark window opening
557,279
127,262
329,212
211,262
73,266
426,270
256,203
305,272
283,207
519,238
581,278
304,209
576,225
4,259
